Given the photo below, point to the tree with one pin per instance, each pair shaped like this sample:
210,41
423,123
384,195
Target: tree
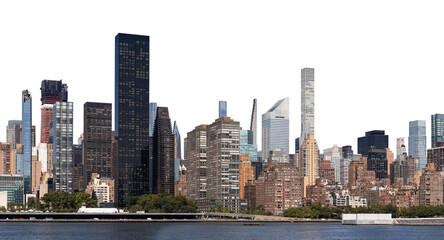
160,203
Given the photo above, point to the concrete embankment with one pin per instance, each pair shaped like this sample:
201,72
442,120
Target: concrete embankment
386,219
150,217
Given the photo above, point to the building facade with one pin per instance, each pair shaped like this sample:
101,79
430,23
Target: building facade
5,159
437,129
246,174
132,114
308,160
223,163
97,137
196,163
14,185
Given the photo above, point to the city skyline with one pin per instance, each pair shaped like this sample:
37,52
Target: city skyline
335,89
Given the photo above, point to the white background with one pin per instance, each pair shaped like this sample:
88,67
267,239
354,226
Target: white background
378,64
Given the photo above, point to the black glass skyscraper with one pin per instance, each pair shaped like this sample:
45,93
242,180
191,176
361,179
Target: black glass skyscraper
132,114
373,139
163,153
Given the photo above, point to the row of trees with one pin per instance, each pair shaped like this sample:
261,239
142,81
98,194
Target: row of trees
56,202
160,203
316,211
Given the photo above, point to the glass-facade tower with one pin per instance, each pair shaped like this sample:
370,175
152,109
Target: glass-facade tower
62,135
437,129
132,114
275,128
27,139
222,109
418,142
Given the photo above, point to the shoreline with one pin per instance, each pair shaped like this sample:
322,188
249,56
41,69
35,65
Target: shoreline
246,222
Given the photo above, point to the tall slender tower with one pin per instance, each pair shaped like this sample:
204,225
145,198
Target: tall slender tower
275,128
132,114
27,138
417,142
307,103
177,151
62,137
253,124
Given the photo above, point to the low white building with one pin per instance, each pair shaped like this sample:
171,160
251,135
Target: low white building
4,199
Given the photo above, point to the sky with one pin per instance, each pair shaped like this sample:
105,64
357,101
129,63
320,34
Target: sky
378,64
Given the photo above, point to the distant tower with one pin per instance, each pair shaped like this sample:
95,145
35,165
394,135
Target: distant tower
153,111
275,128
222,109
437,129
400,147
27,138
177,151
307,103
417,142
253,124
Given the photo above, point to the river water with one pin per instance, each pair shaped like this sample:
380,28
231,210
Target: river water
231,231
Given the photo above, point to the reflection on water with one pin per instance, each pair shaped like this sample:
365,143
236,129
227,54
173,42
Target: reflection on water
230,231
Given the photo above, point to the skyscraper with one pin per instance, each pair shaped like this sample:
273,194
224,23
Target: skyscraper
373,139
97,157
27,138
437,129
275,128
417,142
222,109
132,114
163,153
307,103
62,131
196,163
253,123
50,91
153,111
223,163
308,160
